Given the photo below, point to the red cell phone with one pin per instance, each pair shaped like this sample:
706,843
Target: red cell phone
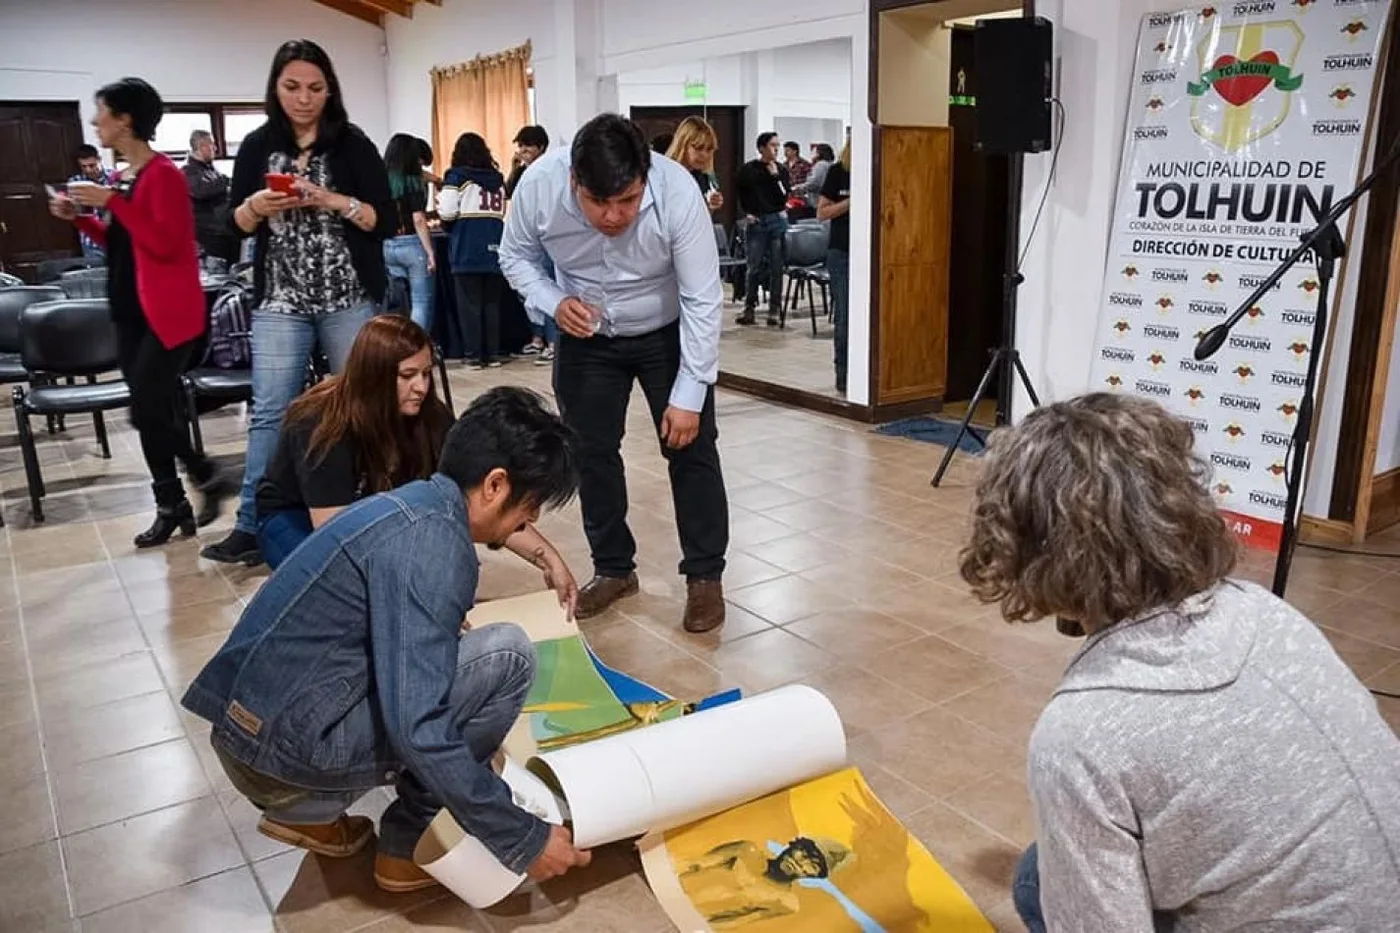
281,183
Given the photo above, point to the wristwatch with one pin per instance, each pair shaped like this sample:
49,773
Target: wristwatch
353,209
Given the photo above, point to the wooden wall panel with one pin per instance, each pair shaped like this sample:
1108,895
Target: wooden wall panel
916,198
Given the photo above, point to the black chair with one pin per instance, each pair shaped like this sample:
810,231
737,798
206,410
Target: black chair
728,262
217,387
805,251
50,270
74,338
84,283
13,301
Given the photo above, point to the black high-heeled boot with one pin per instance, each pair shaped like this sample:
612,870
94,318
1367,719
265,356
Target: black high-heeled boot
169,518
216,488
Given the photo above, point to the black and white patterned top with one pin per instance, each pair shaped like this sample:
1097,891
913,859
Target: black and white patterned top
309,270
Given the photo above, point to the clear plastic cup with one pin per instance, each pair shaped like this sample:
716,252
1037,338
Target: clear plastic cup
596,301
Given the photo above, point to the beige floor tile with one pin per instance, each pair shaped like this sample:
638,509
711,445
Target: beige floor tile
1001,802
937,751
69,651
1008,707
1363,619
786,599
32,893
770,659
127,676
310,894
99,792
607,896
447,915
982,862
856,635
74,736
23,756
152,596
863,700
167,627
934,669
26,814
146,854
227,903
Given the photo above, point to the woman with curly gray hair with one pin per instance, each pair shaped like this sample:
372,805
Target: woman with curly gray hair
1207,762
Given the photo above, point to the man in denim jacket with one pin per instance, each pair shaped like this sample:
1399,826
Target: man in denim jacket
350,669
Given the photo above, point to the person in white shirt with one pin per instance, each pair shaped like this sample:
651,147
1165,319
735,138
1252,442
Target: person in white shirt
635,290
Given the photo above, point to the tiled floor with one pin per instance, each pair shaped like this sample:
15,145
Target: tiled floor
115,814
790,357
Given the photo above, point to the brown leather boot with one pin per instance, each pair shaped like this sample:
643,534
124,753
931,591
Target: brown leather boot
400,875
598,594
341,839
704,605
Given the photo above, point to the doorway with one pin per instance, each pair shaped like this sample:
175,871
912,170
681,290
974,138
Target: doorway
37,143
981,198
728,122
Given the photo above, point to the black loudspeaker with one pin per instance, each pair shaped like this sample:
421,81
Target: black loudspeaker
1014,61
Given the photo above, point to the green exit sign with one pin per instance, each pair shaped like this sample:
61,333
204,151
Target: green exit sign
696,90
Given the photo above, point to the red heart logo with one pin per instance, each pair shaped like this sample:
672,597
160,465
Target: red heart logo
1241,89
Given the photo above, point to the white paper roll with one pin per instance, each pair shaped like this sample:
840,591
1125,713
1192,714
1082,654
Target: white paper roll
671,773
462,864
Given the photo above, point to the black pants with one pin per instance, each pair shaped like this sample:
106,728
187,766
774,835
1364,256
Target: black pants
593,382
153,374
479,311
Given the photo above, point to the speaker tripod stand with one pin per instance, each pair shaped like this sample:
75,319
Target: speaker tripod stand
1006,359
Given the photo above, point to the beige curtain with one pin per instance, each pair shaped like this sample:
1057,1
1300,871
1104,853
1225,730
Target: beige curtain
489,95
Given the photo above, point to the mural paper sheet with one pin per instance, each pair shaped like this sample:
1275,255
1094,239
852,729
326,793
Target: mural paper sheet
1245,125
824,855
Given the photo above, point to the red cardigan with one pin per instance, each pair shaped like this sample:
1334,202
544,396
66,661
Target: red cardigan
160,221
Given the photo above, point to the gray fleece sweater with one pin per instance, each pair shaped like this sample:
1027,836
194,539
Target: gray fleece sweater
1216,767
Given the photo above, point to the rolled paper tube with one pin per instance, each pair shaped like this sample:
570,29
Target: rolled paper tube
671,773
462,864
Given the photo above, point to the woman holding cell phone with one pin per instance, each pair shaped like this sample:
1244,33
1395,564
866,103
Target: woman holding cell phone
153,294
311,188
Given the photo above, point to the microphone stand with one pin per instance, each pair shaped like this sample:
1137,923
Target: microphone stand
1325,243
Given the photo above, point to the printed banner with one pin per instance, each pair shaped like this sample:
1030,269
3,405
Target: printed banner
1245,125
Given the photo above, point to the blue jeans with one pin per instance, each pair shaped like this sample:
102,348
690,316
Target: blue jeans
281,532
838,266
405,258
548,331
281,345
1025,891
495,667
764,248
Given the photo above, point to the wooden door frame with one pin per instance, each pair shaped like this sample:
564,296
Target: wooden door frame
872,411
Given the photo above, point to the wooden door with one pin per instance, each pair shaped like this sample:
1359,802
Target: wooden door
916,196
37,144
728,122
981,189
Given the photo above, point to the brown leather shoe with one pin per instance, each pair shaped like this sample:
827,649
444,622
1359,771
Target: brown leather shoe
341,839
400,875
598,594
704,605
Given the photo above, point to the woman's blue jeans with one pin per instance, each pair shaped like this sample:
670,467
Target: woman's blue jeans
1025,891
280,533
405,258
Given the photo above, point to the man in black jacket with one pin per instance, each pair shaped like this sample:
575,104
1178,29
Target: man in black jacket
763,187
209,192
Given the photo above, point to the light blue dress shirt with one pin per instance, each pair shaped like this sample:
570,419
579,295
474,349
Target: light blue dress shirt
666,266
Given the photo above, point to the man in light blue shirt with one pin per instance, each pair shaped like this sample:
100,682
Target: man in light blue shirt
635,290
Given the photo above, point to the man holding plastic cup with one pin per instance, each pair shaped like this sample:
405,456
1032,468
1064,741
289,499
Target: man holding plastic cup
635,290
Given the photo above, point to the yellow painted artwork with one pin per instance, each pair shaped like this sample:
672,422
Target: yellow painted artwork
825,856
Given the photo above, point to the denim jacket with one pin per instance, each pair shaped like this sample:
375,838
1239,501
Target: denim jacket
339,672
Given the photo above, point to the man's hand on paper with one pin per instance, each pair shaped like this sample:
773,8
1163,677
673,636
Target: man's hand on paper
559,856
559,578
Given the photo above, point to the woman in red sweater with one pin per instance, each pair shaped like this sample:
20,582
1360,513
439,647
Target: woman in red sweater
156,300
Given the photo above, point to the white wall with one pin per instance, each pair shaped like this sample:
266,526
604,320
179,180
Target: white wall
1388,451
190,50
806,88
